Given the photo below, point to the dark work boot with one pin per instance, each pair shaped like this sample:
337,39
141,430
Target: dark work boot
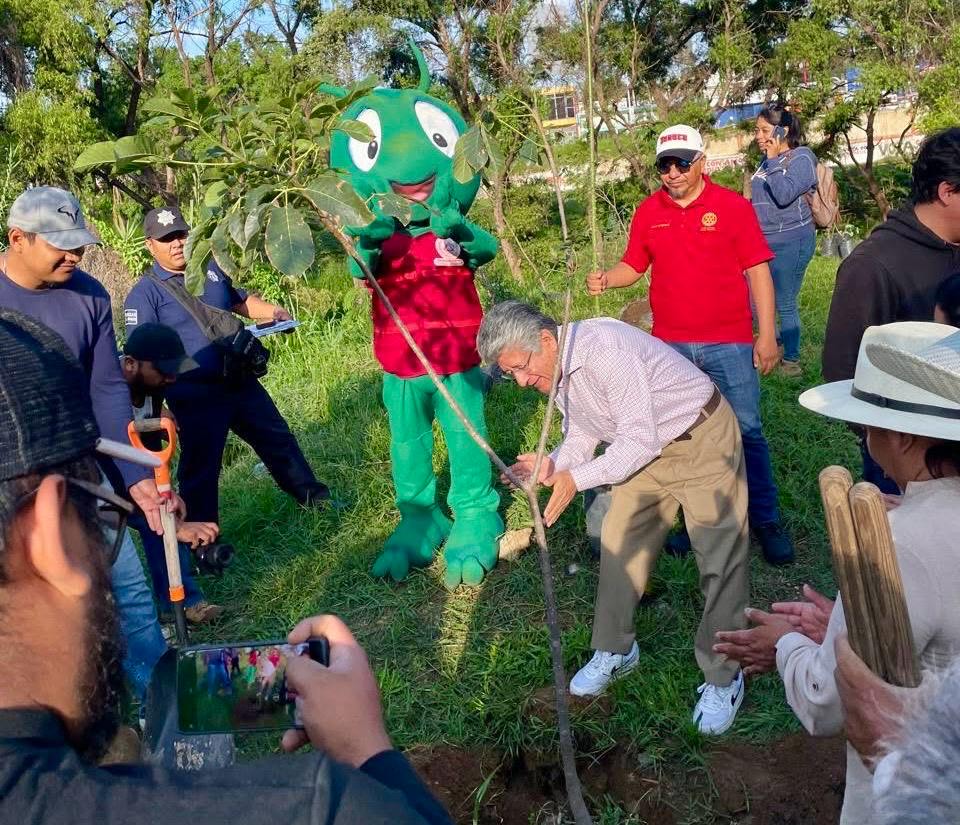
776,544
316,495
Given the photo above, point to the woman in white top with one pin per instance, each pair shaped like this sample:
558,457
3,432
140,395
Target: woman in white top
914,434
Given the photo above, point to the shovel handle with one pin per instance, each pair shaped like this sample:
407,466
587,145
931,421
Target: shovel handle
150,425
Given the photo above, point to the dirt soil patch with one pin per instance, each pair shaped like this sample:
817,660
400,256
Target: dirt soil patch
794,780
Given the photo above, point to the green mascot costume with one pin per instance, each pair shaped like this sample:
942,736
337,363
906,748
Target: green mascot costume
426,270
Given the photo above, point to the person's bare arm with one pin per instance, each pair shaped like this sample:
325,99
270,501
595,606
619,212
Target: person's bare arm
256,309
620,274
765,351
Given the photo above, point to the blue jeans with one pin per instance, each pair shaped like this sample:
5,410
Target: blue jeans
157,564
731,368
138,617
787,270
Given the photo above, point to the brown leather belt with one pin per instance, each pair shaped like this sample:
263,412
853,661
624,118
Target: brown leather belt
705,412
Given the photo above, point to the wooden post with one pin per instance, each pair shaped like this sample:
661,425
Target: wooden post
835,484
881,575
865,563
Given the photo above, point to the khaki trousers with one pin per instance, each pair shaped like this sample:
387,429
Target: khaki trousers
705,475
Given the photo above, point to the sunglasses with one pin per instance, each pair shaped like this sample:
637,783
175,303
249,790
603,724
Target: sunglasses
111,510
664,164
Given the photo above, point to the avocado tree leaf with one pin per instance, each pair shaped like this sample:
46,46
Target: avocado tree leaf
199,254
356,130
133,148
288,241
220,246
165,106
214,194
235,226
394,206
494,153
95,155
336,198
257,196
469,155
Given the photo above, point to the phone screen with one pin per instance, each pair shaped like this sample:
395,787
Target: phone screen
236,687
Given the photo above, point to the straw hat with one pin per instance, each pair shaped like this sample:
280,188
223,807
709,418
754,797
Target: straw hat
936,368
898,391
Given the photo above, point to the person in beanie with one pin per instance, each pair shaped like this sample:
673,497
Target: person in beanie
59,696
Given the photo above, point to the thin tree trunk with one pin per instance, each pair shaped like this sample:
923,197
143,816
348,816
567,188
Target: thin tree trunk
498,198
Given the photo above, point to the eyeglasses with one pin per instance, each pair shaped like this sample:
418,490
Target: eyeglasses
112,512
512,373
664,164
173,236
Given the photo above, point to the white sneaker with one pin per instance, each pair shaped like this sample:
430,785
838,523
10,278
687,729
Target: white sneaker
592,679
718,706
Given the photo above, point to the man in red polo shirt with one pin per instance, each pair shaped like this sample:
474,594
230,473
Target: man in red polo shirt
708,256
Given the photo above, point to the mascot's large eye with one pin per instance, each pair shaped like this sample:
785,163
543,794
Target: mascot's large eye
438,125
364,154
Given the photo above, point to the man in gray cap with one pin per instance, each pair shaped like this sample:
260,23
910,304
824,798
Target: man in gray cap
39,277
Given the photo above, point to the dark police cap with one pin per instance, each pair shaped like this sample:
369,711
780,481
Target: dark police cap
163,221
46,417
160,345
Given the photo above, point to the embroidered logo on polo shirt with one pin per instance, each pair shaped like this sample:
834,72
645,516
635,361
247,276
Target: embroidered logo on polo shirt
709,219
212,275
130,317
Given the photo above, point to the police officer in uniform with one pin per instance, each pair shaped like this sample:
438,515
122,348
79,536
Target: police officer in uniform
210,401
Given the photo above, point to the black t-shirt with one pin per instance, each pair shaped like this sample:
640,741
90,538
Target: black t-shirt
44,781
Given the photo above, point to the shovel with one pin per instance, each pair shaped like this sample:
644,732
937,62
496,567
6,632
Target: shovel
163,744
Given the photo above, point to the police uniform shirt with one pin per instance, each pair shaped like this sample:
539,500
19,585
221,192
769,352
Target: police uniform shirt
149,302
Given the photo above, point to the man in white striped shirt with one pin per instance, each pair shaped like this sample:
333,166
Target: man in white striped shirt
672,441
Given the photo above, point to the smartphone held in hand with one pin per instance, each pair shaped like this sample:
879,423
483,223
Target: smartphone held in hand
240,686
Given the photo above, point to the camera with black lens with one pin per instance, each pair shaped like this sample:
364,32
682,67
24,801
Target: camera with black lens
244,357
212,559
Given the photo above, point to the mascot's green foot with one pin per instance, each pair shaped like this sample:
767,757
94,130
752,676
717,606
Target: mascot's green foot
413,544
471,550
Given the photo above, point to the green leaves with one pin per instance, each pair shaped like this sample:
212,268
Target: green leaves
127,154
335,198
97,155
469,155
394,206
198,253
288,241
356,129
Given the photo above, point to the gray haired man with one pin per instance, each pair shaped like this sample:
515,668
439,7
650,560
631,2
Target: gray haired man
672,442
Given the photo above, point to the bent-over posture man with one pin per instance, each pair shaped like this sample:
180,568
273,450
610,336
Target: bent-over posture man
153,357
59,693
672,442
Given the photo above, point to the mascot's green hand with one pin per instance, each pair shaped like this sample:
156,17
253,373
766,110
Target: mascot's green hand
448,222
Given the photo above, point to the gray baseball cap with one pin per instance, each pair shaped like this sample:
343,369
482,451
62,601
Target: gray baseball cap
54,215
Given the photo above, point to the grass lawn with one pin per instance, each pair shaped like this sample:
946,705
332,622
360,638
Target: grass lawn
460,668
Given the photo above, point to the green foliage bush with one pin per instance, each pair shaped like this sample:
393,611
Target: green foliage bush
529,208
